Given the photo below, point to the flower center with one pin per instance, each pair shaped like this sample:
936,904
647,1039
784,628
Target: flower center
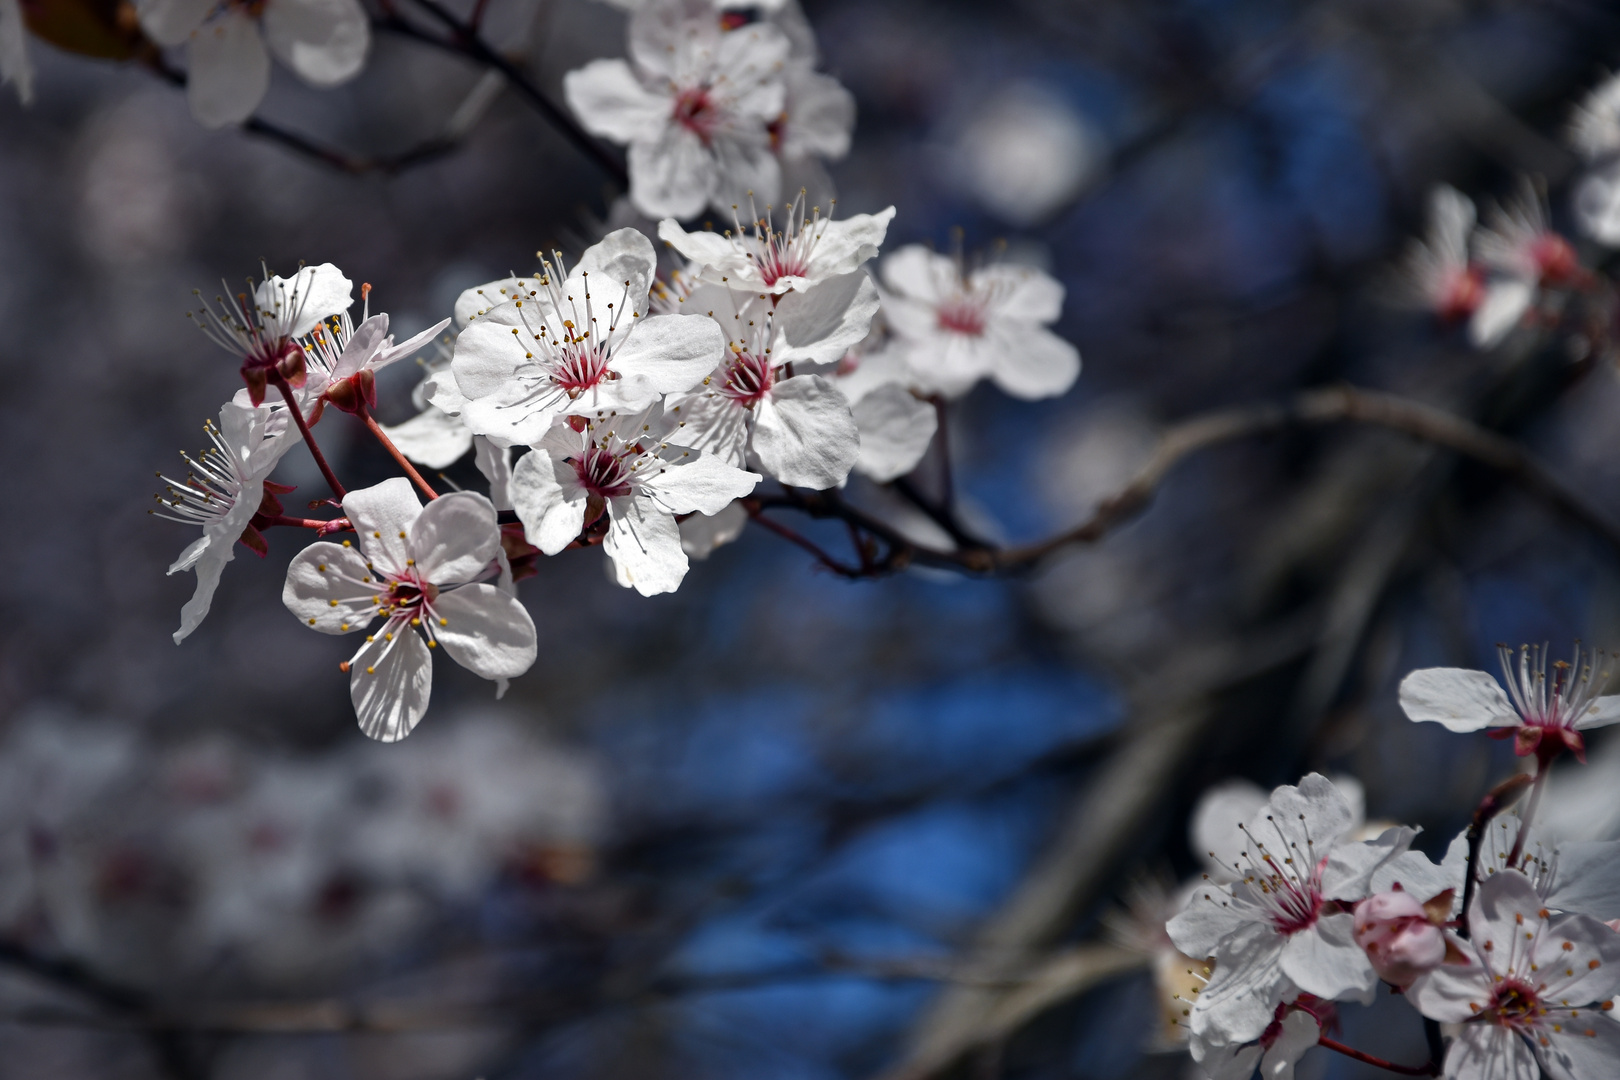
1555,258
961,315
1515,1004
580,366
1296,902
749,377
603,474
695,111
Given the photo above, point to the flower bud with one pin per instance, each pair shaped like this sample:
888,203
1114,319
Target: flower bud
1400,941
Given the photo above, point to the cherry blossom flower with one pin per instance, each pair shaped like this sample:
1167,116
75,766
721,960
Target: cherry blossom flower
753,408
1524,255
694,104
1594,126
959,326
419,569
337,353
896,425
1295,1028
817,116
15,66
1283,927
265,332
560,349
1404,937
1594,132
1544,715
223,489
1536,990
228,68
1437,275
808,249
621,473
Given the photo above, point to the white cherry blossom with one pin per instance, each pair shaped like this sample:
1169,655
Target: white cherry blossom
578,344
1283,927
694,104
263,332
754,408
1594,126
896,424
15,66
1536,991
958,326
223,489
337,350
628,474
1523,256
424,571
1274,1053
324,42
806,250
1545,713
818,115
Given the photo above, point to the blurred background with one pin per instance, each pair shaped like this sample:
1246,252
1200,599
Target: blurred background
777,824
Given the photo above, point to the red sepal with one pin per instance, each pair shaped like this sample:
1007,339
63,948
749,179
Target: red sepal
253,540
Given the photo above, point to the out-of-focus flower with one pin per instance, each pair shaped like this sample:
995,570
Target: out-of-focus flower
223,489
1026,153
1594,126
1437,275
807,250
624,469
1536,989
957,326
1545,714
754,409
228,69
817,115
264,333
718,5
694,104
560,350
701,534
1296,1026
1524,256
419,569
15,66
1283,928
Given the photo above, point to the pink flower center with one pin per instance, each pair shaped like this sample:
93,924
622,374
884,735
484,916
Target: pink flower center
1460,295
1555,258
748,379
1296,903
603,474
960,315
695,111
581,366
1514,1004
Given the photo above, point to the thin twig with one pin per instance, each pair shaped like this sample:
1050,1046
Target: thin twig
400,459
280,383
1426,1069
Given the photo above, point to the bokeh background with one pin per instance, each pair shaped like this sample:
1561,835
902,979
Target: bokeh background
765,827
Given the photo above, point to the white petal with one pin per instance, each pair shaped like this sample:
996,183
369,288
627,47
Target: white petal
207,555
804,434
1506,301
170,22
701,534
645,545
819,115
700,484
842,246
673,352
1596,202
1216,830
492,294
1588,1046
896,429
297,304
671,176
1246,987
709,249
495,462
1299,1033
1490,1052
1414,873
1022,292
227,70
622,258
1601,713
362,345
486,631
324,41
822,323
1458,698
389,684
454,538
432,438
917,273
326,588
410,346
382,517
1327,962
549,500
1586,879
743,165
610,101
1208,919
1448,993
1351,867
1034,363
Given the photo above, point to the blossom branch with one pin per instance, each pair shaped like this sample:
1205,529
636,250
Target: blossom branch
388,444
1500,798
1428,1069
1318,407
756,514
279,381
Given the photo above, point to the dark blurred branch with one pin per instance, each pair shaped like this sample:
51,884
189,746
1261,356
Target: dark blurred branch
1317,407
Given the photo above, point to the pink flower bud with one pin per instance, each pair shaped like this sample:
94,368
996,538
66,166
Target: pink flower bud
1400,941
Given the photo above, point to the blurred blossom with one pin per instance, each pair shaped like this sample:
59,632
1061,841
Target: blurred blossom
1026,153
136,203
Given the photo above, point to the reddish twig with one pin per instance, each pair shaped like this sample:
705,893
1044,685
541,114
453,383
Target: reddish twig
388,444
1428,1069
280,383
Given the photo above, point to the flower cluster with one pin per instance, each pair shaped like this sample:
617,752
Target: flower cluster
1511,940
